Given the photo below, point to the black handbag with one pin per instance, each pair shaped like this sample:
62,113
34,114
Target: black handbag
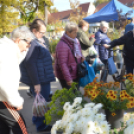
81,68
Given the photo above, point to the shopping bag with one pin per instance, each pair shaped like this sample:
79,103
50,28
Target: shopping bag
40,106
119,59
111,66
97,65
92,51
87,78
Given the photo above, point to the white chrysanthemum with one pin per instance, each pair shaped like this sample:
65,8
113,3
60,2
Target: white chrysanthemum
129,130
90,126
100,117
98,130
78,107
95,110
78,126
104,126
96,123
91,105
78,100
64,124
59,124
54,129
69,128
73,117
130,122
66,106
83,121
86,111
105,132
70,109
98,106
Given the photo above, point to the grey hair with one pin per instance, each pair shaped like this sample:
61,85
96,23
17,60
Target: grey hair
22,32
70,26
104,24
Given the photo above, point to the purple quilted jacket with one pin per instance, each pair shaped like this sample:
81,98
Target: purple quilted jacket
65,64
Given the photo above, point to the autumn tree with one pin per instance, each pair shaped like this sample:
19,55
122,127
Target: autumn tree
77,13
97,2
8,16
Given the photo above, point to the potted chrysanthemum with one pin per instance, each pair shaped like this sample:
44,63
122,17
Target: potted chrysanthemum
114,100
79,119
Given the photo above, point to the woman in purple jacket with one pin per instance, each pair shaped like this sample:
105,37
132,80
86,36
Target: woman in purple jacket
67,50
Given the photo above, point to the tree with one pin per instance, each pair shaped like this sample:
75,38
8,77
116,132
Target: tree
53,10
97,2
8,16
77,13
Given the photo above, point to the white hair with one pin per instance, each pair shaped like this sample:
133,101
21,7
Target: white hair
22,32
70,26
104,24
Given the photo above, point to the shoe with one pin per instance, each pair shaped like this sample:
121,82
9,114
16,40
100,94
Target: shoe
47,129
117,78
29,93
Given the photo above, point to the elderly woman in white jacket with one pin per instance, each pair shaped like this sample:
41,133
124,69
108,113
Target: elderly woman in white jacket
10,99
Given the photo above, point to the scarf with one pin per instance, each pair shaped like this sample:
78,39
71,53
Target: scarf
77,52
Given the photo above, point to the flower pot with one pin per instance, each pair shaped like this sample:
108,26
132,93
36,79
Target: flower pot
114,121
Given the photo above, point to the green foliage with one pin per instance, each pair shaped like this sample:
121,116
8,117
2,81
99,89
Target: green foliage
53,44
58,100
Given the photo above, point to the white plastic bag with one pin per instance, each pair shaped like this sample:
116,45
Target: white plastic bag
39,106
92,51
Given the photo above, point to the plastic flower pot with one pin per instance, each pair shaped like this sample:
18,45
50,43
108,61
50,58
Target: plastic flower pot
114,120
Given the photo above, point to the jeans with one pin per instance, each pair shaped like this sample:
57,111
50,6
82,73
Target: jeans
45,92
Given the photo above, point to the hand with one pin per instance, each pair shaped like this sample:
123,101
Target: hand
82,59
37,89
19,108
69,83
106,46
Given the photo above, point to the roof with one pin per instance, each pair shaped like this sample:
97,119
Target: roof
65,14
125,2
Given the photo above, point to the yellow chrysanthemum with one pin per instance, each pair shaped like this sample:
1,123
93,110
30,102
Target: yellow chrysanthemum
113,114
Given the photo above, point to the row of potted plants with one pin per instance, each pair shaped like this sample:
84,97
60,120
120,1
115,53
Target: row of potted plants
65,106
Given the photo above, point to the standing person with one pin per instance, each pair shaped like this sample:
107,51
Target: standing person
36,69
10,100
101,39
65,63
83,38
128,41
130,26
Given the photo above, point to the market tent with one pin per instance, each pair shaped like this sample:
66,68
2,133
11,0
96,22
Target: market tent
109,12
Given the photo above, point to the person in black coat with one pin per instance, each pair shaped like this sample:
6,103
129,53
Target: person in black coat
128,52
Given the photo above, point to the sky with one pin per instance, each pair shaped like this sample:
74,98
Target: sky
62,5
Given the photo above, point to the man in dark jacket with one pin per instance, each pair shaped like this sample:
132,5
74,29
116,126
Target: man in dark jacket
83,38
128,41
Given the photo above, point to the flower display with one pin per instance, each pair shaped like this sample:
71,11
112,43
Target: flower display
110,95
82,119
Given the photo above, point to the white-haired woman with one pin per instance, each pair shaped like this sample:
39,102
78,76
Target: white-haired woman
101,39
10,100
67,50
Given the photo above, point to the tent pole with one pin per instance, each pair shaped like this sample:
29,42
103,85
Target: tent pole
113,26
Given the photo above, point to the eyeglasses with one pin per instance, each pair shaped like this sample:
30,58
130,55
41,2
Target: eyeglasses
42,33
27,41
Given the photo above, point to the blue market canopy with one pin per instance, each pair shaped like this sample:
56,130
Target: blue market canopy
109,12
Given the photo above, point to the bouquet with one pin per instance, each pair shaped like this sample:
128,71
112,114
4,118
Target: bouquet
78,119
110,95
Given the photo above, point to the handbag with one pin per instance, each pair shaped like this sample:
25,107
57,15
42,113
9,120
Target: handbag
111,66
89,77
81,68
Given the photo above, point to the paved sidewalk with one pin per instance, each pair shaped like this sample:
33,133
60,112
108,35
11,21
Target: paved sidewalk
27,109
